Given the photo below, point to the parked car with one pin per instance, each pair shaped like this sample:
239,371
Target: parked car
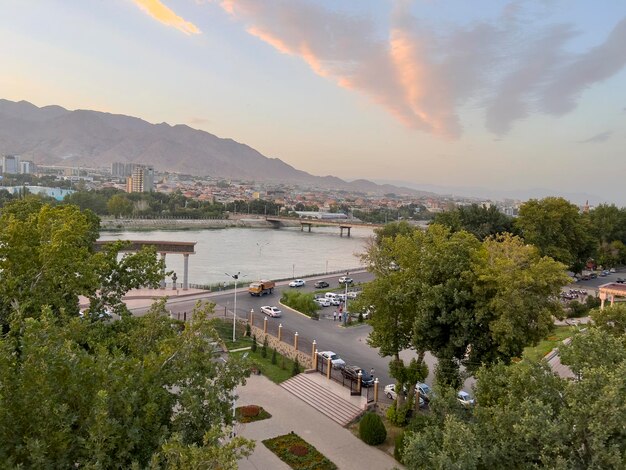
321,285
352,372
297,283
271,311
322,302
335,360
465,399
612,270
353,294
346,280
621,280
390,391
425,391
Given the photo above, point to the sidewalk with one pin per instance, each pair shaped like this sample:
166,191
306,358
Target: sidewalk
289,413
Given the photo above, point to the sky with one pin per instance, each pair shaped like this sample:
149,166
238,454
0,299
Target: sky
497,95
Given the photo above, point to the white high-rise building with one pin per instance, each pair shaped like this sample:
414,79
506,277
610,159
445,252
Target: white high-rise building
11,164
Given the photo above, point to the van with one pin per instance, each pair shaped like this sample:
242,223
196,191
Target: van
330,295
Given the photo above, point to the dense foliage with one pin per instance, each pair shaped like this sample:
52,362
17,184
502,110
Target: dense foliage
481,221
301,301
76,393
467,302
372,429
47,258
550,422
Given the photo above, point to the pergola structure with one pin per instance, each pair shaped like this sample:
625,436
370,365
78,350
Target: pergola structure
610,291
161,247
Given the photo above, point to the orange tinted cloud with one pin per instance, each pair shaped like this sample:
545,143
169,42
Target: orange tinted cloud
166,16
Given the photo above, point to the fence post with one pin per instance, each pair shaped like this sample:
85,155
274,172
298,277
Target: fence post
315,359
376,390
313,348
329,366
265,326
280,331
295,342
251,317
358,381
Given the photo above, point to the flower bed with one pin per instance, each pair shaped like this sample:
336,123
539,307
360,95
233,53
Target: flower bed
297,453
251,413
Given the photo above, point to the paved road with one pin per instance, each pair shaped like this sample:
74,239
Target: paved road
350,343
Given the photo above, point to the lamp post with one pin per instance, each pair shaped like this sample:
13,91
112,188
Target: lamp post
236,278
345,300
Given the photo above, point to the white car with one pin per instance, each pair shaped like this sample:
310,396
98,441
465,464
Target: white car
297,283
335,360
271,311
390,391
322,302
353,294
465,399
345,280
335,301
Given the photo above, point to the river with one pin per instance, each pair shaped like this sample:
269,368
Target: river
258,253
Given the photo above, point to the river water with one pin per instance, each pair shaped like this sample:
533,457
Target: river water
258,253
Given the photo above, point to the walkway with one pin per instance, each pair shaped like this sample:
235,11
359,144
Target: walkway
291,414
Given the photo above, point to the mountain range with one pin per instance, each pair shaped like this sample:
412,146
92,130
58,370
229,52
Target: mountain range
52,135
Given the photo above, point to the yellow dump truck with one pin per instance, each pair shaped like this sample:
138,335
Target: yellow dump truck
262,287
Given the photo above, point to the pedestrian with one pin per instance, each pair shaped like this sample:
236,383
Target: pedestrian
372,372
335,315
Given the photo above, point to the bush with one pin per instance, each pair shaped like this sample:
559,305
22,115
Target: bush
264,348
398,448
296,368
248,330
360,317
372,430
301,301
250,411
253,343
399,417
282,362
274,360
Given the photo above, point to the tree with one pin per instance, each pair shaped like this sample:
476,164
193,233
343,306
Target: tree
482,221
465,301
554,422
47,258
516,296
119,205
142,392
557,229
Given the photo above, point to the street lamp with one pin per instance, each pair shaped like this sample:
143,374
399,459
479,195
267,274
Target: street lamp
236,278
345,301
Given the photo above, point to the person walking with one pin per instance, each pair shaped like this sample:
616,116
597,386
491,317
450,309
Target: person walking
372,372
334,315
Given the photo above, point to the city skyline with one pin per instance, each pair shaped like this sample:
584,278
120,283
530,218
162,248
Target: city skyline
518,95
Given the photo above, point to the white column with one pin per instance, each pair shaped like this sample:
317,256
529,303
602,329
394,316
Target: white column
186,271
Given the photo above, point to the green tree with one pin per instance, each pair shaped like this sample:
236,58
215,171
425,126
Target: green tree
554,422
142,392
482,221
516,296
47,258
558,229
119,205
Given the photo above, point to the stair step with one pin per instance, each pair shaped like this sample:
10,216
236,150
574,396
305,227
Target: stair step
336,408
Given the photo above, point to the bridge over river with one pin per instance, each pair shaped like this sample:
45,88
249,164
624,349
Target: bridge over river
343,224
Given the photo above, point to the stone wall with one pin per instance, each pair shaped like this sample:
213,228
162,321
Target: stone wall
286,349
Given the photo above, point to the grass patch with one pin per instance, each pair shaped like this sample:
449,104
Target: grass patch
275,372
225,331
251,413
536,353
297,453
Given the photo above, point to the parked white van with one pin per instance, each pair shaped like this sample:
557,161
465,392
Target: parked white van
331,295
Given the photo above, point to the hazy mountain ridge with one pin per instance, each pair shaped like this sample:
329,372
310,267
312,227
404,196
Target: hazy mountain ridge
54,135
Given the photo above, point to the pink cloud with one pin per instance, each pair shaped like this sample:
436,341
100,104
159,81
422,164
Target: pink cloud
164,15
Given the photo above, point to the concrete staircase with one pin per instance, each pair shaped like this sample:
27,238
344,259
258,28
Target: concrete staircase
330,404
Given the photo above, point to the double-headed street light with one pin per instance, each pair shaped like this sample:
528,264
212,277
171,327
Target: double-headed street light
236,278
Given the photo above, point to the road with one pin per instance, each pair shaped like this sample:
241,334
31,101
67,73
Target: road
350,343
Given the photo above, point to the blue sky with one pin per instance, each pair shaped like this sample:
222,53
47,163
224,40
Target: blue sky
503,95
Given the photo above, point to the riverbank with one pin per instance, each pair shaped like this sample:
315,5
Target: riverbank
111,224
